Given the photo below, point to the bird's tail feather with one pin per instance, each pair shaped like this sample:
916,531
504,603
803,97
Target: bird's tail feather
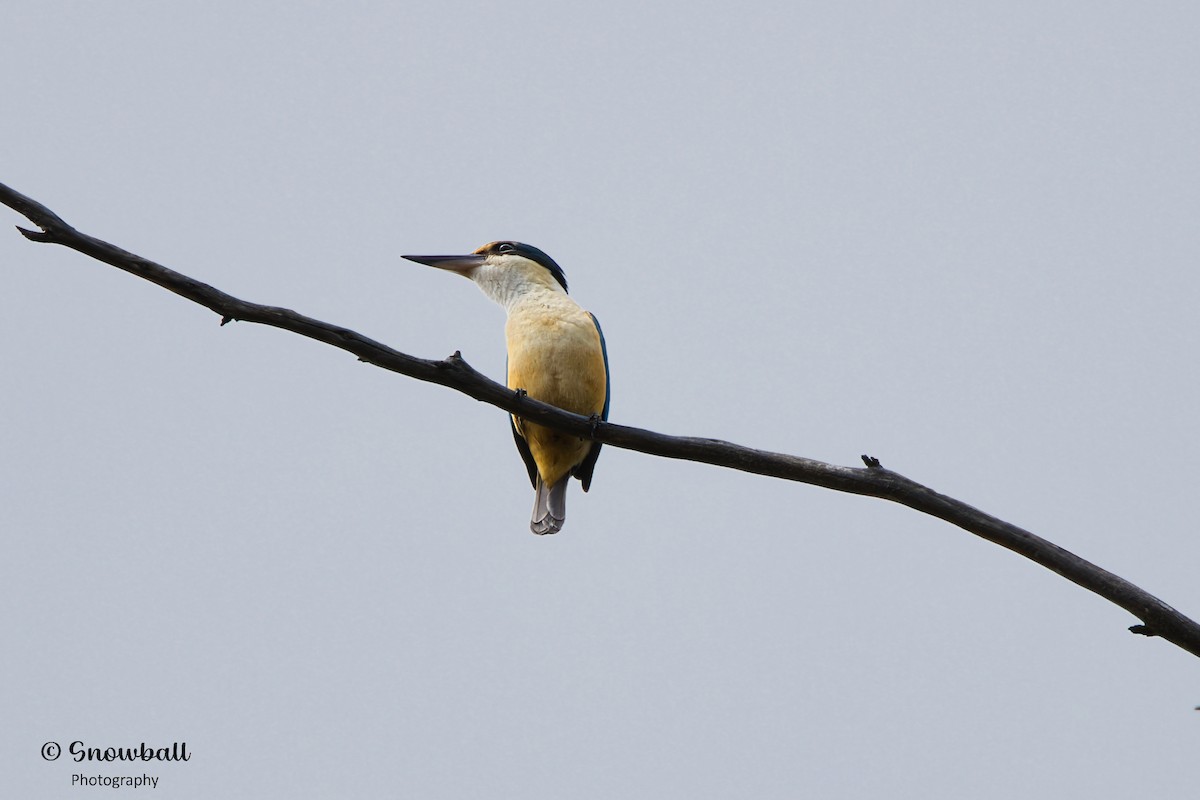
549,506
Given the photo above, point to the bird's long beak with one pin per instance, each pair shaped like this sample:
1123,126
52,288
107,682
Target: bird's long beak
463,265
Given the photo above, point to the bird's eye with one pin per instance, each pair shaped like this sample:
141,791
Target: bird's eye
505,248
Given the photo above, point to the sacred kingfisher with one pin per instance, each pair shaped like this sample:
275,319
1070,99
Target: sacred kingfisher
556,354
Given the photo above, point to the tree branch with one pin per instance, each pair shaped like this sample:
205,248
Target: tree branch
1158,618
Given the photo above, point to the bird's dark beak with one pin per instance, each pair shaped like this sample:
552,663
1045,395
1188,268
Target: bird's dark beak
463,265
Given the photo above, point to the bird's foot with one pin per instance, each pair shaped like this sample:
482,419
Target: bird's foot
594,420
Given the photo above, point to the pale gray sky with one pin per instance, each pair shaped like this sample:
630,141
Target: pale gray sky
962,238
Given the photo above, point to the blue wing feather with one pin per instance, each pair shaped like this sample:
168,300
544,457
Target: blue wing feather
607,383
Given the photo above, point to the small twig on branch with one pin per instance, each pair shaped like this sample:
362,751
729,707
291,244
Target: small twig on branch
1158,618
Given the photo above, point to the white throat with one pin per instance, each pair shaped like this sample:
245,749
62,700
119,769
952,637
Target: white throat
512,284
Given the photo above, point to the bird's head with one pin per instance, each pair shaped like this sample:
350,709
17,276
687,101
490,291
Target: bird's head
503,270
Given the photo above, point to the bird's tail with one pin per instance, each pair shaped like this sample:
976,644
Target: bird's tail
549,506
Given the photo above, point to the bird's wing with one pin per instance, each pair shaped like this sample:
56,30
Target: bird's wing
522,445
523,449
584,471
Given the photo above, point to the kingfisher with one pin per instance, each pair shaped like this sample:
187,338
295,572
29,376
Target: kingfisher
556,354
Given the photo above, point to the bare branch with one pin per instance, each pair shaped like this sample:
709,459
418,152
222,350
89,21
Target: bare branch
1158,618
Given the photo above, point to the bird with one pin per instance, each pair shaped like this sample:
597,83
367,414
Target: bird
556,354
